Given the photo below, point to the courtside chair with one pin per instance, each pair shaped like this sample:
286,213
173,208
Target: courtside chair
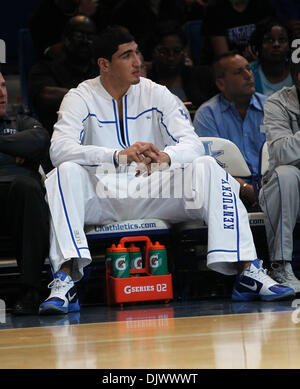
230,158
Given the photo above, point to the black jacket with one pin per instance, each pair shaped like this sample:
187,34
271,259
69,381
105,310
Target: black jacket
23,145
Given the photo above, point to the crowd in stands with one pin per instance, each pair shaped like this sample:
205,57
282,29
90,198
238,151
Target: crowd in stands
242,87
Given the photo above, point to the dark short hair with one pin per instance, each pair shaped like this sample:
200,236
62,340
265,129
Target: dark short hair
219,70
107,43
75,23
261,29
167,28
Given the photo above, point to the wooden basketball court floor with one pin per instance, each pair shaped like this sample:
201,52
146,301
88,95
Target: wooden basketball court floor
211,334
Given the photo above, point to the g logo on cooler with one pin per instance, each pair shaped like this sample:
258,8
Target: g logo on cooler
121,263
154,262
127,289
137,263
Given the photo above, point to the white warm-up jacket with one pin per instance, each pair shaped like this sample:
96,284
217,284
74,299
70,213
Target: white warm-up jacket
88,128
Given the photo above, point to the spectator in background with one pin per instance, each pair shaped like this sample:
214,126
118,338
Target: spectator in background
230,23
48,22
50,80
190,15
280,194
236,114
271,44
172,67
24,212
144,73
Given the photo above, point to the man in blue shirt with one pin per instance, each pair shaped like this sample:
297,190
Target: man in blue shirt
235,114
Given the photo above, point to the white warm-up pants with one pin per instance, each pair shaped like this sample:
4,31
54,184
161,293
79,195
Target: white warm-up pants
80,196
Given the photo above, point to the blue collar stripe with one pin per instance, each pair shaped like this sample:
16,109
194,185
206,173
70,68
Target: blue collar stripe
117,126
126,124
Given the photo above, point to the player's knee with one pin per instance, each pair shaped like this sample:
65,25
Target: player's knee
69,167
202,158
207,161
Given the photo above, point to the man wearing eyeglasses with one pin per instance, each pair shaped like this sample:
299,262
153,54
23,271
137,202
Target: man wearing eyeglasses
236,114
51,17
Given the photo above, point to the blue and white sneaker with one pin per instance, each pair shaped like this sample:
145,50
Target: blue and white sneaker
255,284
63,297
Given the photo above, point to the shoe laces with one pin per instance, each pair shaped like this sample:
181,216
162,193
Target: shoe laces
56,284
260,274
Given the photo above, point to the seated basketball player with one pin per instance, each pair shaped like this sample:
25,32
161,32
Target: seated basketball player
119,120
